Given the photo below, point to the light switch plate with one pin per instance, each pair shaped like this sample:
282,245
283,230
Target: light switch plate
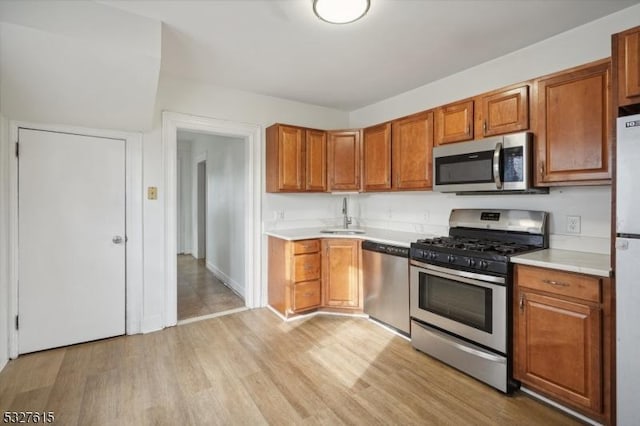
152,193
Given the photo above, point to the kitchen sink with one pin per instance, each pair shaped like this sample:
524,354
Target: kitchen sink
347,231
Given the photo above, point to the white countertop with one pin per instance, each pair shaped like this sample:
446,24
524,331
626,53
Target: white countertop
567,260
398,238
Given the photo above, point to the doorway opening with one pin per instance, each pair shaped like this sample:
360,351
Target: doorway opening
211,210
255,291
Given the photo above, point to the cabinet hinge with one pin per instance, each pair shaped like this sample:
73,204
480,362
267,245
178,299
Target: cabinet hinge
17,322
17,149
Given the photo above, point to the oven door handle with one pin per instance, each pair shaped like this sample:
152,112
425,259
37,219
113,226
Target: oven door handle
497,153
453,274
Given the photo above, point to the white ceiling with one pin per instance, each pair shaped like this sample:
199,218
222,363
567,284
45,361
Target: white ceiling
280,48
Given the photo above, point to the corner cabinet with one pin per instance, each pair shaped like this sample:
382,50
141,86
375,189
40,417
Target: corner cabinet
343,168
626,60
341,281
559,338
412,157
573,123
294,275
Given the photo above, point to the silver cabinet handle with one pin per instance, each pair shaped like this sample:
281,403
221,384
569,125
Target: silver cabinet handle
496,165
117,239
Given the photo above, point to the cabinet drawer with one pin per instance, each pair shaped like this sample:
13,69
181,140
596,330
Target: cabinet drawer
306,295
306,267
306,246
569,284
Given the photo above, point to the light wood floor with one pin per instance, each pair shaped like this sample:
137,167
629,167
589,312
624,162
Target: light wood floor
200,292
252,368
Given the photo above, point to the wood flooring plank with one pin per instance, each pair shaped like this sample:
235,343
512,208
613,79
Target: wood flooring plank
251,368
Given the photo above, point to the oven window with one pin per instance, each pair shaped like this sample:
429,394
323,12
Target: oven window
465,303
467,168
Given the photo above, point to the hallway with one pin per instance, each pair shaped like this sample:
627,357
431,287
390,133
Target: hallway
200,292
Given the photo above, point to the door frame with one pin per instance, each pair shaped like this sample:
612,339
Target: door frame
252,134
134,225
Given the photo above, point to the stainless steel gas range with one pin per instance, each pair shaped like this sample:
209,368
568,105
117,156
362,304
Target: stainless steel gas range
461,285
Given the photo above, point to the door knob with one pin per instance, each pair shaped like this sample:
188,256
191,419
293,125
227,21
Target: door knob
117,239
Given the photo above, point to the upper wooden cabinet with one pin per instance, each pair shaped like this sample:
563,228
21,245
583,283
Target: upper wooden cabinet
376,158
503,111
315,160
454,122
573,126
343,151
626,60
412,142
341,273
295,159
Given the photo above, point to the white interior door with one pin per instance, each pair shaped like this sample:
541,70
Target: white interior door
71,266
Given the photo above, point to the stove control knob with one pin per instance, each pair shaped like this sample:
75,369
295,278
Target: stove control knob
484,264
471,262
451,258
433,255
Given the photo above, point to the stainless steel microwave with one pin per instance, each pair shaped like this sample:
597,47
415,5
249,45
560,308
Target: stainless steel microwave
498,164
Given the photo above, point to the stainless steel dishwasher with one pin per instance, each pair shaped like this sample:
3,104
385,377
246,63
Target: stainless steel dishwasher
385,277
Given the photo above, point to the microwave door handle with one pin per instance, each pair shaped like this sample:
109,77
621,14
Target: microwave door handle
496,165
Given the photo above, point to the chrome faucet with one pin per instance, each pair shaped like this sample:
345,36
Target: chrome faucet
345,213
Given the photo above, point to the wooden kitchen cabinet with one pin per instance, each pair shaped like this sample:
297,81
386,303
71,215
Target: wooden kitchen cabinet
294,275
315,160
295,159
412,157
343,168
559,342
503,111
454,122
573,126
341,281
376,158
626,61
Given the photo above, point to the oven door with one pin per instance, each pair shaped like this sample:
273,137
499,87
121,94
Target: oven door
467,304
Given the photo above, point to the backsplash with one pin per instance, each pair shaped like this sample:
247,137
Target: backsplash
428,212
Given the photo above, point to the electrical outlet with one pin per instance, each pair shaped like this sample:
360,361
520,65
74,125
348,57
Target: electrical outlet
425,216
573,224
281,214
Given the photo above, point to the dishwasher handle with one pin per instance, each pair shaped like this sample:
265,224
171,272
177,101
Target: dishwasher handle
383,248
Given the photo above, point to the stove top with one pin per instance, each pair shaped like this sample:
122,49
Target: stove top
471,245
483,240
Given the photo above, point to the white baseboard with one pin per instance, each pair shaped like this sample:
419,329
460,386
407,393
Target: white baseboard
559,406
226,280
152,323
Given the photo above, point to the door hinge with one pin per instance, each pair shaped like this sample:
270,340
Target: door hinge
17,149
17,322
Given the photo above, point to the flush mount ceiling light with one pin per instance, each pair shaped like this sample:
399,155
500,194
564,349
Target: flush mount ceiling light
340,11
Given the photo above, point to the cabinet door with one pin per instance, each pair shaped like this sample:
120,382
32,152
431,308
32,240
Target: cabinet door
376,153
558,348
316,160
454,123
574,127
285,158
628,66
505,111
341,273
412,151
343,149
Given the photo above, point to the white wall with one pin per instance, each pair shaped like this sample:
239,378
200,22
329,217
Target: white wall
184,160
4,240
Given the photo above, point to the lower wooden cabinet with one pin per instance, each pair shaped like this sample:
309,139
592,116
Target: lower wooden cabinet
294,275
559,338
341,273
306,275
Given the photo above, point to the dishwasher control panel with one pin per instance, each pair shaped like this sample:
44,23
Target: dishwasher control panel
385,248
